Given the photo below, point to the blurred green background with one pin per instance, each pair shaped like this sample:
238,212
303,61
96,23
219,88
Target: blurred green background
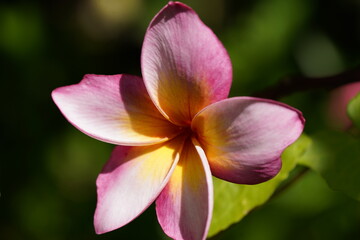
48,168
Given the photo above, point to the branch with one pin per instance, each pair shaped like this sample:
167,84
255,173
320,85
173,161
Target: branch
290,85
290,182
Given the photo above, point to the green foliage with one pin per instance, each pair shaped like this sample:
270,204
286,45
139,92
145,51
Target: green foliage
74,161
354,110
234,201
272,23
336,156
306,210
21,31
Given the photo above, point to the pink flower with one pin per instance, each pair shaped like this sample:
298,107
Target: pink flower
337,106
175,128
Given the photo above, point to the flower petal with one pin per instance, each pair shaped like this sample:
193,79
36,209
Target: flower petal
337,107
114,109
243,137
131,180
184,66
184,207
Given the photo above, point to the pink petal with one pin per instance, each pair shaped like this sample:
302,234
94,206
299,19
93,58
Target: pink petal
338,101
184,207
184,66
243,137
131,180
114,109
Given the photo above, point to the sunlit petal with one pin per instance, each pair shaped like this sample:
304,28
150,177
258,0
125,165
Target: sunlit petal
184,207
185,67
114,109
243,137
131,180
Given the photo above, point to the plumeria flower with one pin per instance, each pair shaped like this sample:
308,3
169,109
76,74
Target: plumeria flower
337,106
175,128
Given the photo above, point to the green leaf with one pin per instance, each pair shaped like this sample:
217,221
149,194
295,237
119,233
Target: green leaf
353,110
336,156
234,201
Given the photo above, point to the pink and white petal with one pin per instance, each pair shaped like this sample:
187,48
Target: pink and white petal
184,207
184,65
131,180
115,109
243,137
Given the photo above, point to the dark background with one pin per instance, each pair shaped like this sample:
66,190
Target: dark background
48,168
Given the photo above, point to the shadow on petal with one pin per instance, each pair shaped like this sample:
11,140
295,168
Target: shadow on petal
143,116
